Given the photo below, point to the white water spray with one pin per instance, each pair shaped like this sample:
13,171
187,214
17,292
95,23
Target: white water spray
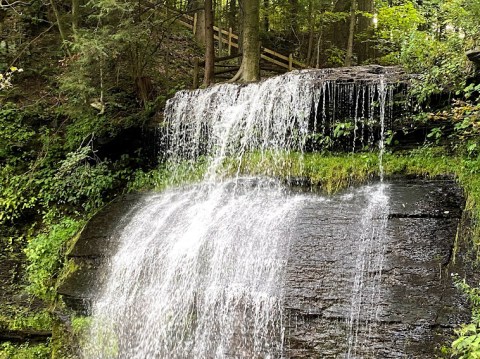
365,296
199,271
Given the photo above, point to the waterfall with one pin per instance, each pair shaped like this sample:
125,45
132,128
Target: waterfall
365,297
292,112
382,95
199,271
198,275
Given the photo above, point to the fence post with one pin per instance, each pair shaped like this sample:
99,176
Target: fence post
195,23
196,70
230,36
290,62
220,40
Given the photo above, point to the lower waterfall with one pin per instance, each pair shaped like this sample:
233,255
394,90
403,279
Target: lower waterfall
199,274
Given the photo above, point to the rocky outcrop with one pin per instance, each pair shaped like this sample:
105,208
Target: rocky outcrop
91,252
418,305
474,56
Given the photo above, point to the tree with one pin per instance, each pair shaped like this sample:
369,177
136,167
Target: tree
209,47
60,25
250,67
351,33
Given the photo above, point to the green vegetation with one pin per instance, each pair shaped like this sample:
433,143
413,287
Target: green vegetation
82,81
45,260
24,351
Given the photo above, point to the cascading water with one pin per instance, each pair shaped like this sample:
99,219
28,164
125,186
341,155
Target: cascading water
366,296
288,112
198,275
199,272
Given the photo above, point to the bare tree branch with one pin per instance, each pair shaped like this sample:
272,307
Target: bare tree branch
4,4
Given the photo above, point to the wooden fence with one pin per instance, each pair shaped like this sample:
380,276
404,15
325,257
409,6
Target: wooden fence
231,41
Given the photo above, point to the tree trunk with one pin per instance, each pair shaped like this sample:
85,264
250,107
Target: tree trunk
310,32
200,25
209,45
351,33
294,28
251,41
266,20
75,15
60,25
232,15
364,50
319,42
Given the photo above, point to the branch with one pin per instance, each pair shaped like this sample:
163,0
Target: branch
7,5
30,43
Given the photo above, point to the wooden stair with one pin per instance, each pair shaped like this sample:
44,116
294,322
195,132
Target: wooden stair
230,39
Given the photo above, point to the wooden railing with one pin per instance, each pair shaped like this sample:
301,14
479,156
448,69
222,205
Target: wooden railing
231,40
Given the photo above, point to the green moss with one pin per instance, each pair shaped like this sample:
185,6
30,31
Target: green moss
24,319
25,351
80,325
168,176
331,172
45,257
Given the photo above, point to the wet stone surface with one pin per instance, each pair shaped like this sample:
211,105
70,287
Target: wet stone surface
410,304
97,242
337,303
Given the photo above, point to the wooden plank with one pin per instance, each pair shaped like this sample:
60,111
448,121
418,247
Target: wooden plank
220,43
225,32
300,64
223,58
226,71
225,41
271,52
185,24
273,61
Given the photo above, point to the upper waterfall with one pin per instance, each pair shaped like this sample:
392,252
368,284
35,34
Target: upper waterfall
295,111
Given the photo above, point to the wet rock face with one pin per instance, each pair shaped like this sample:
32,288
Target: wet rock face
368,73
415,305
96,244
401,281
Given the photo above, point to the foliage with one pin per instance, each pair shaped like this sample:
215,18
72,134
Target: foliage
168,175
79,181
6,78
44,254
467,344
429,39
395,24
24,319
24,351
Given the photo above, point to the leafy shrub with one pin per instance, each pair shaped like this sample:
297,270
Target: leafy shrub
45,257
24,351
79,182
467,344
